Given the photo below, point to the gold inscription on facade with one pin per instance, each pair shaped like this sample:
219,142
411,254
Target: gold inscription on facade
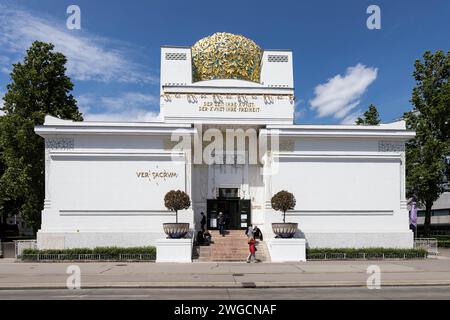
156,175
229,107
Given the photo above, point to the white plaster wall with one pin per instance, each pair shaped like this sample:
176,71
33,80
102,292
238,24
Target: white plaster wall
199,191
256,186
205,110
278,74
348,194
112,184
176,72
336,145
95,196
119,143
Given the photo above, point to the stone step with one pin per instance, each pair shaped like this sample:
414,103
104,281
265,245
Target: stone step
229,254
223,239
204,254
229,233
231,248
231,244
234,236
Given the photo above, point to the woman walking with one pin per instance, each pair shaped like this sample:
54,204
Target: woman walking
252,249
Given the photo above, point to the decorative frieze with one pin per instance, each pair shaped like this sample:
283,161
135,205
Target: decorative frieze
176,56
60,143
216,98
169,145
277,58
286,145
391,146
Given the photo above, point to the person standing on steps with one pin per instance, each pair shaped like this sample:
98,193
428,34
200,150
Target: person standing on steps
203,221
252,248
208,238
249,232
257,233
221,222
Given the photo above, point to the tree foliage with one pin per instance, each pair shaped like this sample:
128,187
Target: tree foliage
283,201
177,200
425,165
39,87
370,118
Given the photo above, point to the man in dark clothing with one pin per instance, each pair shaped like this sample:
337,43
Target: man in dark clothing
221,222
203,221
257,233
208,238
200,238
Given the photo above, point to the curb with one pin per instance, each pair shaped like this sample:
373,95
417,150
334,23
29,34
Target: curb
257,285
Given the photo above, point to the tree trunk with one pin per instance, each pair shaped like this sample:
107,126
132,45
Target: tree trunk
284,217
427,223
176,215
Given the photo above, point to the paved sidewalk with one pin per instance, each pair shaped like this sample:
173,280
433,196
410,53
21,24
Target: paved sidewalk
224,275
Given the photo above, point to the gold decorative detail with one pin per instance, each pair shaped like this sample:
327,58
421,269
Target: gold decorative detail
226,56
169,144
167,97
268,99
292,99
170,95
286,145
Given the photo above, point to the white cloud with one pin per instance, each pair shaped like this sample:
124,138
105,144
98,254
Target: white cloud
5,65
351,118
129,106
299,114
125,116
129,100
340,94
89,57
5,70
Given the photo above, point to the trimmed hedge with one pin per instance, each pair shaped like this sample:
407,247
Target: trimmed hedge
441,237
443,240
364,253
99,250
443,243
96,254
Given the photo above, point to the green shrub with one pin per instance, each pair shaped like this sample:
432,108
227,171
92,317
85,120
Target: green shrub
443,243
99,250
442,237
368,253
72,254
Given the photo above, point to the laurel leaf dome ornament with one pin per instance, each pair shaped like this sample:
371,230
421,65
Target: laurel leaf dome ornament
226,56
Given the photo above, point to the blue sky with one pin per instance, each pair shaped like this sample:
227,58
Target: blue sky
114,59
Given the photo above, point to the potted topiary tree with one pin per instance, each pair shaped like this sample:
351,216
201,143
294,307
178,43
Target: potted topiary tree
175,201
284,201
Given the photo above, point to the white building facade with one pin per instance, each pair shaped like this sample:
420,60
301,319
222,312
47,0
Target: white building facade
105,181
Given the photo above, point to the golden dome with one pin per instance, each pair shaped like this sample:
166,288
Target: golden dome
226,56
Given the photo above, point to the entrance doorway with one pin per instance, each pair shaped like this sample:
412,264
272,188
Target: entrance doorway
237,213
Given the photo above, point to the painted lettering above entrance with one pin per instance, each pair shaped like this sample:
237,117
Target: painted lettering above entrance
156,175
229,107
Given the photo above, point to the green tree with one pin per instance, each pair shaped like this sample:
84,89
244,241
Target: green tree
425,165
39,87
370,118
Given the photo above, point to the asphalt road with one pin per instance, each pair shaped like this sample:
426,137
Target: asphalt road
350,293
